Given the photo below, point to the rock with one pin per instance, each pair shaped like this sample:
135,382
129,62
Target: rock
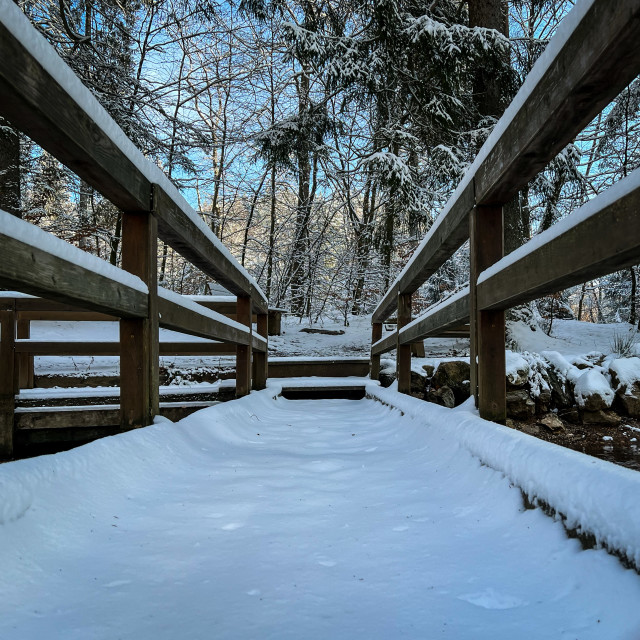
428,369
520,405
418,384
629,403
551,422
600,417
442,396
592,391
543,402
517,370
561,395
531,429
453,374
326,332
386,377
572,416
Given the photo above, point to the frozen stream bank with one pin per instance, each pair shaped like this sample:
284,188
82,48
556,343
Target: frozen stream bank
268,518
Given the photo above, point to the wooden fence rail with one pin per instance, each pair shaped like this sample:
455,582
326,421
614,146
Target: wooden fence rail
43,98
593,57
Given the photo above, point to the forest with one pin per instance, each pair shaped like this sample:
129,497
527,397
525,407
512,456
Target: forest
318,139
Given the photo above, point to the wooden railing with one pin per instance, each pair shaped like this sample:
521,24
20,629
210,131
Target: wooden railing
594,55
42,97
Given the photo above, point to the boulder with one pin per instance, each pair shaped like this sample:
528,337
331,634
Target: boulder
543,401
517,370
520,405
454,374
386,377
418,384
561,393
592,391
428,369
629,403
600,417
551,422
442,396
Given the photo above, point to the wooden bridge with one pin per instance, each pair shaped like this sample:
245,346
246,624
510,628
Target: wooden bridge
592,58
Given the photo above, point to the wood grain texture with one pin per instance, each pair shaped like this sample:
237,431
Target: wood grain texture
260,361
7,381
185,320
606,242
243,352
376,335
439,321
386,344
403,352
139,359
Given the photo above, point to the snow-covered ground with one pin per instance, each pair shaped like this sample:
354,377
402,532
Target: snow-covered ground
266,518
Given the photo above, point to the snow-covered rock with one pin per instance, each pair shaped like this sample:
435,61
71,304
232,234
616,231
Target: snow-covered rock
592,391
517,370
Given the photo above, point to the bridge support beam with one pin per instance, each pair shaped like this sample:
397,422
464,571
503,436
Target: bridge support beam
243,351
7,381
260,364
376,334
487,331
139,337
403,366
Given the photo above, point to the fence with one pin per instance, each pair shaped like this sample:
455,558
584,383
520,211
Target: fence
594,55
41,96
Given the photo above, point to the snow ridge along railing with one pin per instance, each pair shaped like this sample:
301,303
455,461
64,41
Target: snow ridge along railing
593,56
43,98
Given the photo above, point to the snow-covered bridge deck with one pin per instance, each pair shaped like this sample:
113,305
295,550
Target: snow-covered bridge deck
271,518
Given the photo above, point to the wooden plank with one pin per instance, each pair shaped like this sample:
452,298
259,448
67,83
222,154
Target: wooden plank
185,320
376,335
24,361
7,382
403,351
35,271
180,232
37,105
389,343
275,322
139,359
243,352
322,368
112,348
448,315
260,363
487,327
598,60
606,241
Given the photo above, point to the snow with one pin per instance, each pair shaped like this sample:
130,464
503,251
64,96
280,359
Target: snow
31,235
17,24
568,224
592,382
314,519
514,363
627,372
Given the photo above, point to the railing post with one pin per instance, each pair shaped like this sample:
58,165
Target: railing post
403,363
260,363
487,327
24,364
376,334
243,352
7,380
139,349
